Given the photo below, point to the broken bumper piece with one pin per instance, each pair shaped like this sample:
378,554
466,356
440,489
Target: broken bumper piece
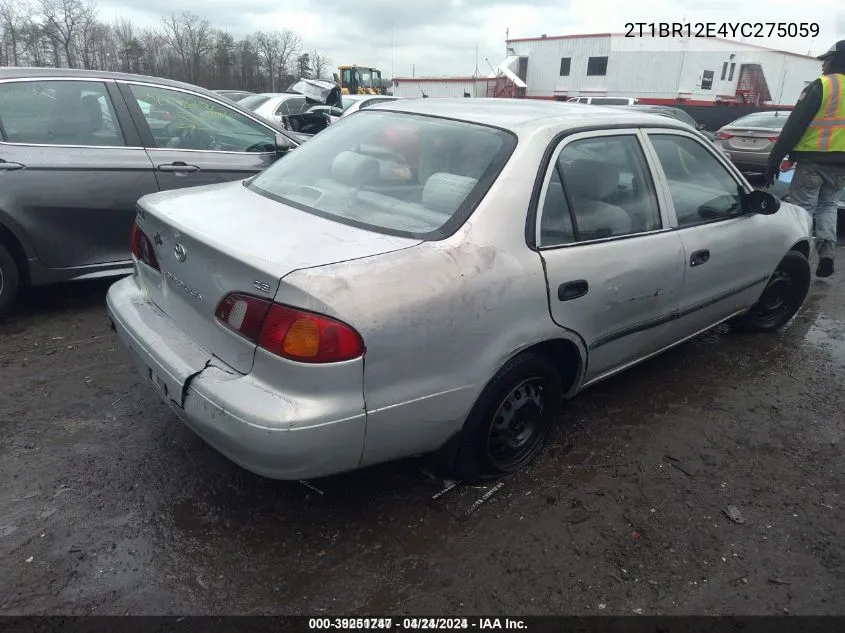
269,433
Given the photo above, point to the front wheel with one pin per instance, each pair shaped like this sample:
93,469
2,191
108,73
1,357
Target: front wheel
511,421
9,280
781,299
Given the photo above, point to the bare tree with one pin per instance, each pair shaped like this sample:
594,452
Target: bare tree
291,45
63,20
130,51
319,64
269,49
36,44
14,17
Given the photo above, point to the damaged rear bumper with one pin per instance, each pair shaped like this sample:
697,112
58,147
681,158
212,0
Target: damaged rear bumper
273,434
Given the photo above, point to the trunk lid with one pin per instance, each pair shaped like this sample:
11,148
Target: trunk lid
217,239
751,139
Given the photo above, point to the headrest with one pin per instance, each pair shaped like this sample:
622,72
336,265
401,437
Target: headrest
591,179
355,169
92,110
445,192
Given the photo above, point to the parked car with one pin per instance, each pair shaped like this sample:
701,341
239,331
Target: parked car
523,252
235,95
605,100
77,150
750,139
275,106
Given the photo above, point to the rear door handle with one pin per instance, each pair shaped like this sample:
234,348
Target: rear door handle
5,166
178,166
699,257
572,290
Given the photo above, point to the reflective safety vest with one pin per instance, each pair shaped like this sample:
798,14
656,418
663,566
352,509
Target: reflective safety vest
826,132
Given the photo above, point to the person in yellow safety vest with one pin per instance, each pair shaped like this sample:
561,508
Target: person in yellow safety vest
814,138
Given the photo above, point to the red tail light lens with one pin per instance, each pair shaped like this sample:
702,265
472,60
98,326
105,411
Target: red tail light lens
723,136
773,139
297,335
142,247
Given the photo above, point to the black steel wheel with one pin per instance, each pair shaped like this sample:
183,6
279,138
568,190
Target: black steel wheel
511,420
9,280
782,297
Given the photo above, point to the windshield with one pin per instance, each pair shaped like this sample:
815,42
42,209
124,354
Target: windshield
762,119
407,175
253,101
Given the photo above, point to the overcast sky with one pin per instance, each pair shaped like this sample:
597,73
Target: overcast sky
439,37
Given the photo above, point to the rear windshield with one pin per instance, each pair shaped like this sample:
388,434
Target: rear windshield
762,119
406,175
253,101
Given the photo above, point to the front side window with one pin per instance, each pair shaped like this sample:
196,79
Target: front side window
702,188
59,113
183,120
600,187
401,174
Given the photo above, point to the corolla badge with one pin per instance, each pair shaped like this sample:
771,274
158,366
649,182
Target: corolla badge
180,252
191,291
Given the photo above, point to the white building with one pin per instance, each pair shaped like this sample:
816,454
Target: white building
690,71
411,87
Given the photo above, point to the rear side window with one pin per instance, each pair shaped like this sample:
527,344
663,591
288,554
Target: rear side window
408,175
59,113
600,187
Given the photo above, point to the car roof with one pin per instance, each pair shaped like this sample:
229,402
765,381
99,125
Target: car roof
77,73
514,114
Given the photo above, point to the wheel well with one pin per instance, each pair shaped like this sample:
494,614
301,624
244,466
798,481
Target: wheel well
564,356
8,240
802,247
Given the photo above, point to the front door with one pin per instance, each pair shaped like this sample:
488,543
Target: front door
728,258
193,140
74,169
614,271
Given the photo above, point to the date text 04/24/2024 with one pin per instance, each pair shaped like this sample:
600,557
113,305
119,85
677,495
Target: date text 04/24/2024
725,29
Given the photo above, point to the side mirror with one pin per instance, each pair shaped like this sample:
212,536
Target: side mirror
762,202
283,145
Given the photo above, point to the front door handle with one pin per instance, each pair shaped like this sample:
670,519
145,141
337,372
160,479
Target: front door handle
572,290
4,166
699,257
178,167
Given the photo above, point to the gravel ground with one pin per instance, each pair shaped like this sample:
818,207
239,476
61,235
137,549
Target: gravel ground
109,505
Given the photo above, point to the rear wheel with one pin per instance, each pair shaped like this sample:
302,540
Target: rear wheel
511,421
9,280
781,299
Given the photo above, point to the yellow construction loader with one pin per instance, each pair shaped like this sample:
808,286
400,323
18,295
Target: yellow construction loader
357,80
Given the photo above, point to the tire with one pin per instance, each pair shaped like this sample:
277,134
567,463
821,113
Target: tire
525,396
9,281
781,299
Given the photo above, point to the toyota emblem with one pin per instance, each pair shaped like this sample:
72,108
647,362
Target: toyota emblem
180,253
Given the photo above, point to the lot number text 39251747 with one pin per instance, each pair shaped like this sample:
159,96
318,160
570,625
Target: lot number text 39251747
726,29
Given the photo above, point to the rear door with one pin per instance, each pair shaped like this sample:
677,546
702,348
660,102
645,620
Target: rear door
194,140
613,266
74,169
729,255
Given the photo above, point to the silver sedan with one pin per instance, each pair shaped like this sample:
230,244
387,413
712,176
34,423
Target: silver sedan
445,285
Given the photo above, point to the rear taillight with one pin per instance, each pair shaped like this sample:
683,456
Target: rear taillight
297,335
773,139
142,247
723,136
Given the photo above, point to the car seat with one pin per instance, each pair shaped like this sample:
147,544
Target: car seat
588,183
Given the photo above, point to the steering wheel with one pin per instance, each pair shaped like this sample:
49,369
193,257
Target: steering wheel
190,137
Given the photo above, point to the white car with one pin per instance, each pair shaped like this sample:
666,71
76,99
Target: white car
275,105
353,103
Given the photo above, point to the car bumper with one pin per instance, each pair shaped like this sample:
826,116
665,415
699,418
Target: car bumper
273,434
